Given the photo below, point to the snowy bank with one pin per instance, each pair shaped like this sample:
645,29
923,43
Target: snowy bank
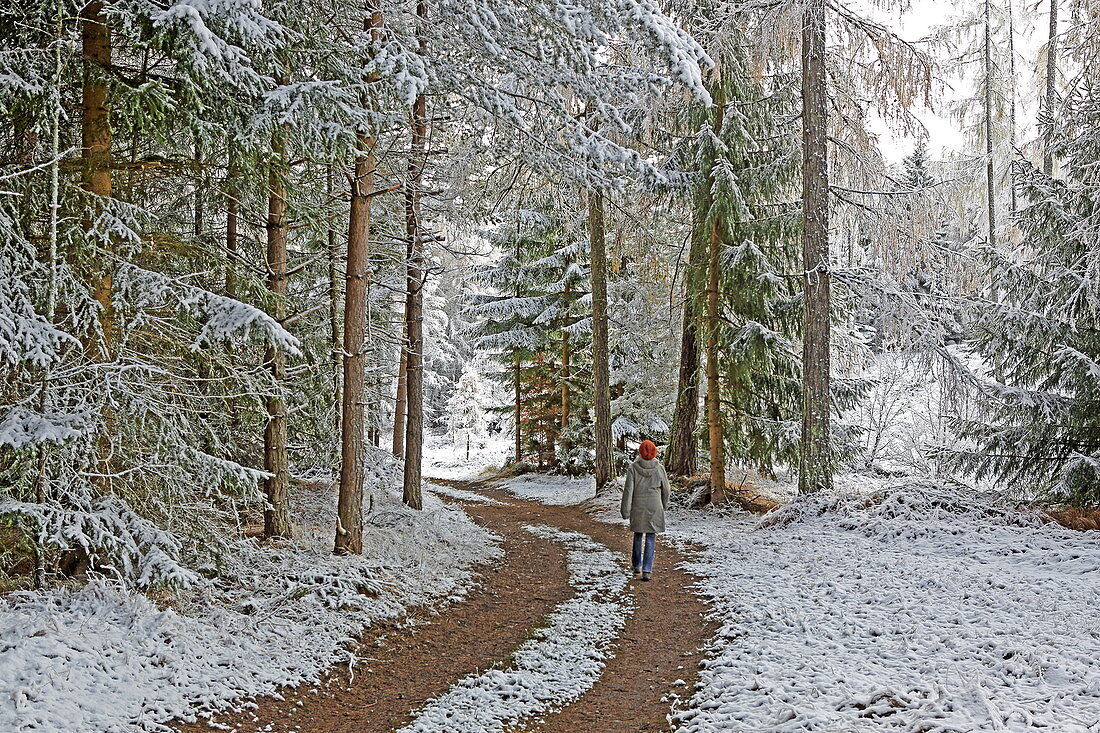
907,610
102,658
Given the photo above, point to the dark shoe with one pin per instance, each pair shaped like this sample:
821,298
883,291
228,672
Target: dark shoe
645,576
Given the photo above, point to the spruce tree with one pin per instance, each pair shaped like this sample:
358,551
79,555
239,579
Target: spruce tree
1040,341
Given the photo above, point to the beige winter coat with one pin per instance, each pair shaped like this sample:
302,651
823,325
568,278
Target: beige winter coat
645,496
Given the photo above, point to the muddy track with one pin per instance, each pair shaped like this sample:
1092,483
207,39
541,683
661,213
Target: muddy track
405,667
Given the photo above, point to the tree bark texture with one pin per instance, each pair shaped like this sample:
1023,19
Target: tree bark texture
276,463
353,438
815,460
96,136
1050,93
682,457
601,378
414,304
716,435
990,187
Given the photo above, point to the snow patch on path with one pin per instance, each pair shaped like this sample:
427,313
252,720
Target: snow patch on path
563,661
550,489
470,496
906,611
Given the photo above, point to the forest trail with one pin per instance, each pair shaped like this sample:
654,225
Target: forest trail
654,659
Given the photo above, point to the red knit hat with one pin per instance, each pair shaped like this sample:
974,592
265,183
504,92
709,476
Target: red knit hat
648,450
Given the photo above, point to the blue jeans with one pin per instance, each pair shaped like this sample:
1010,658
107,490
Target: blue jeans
639,561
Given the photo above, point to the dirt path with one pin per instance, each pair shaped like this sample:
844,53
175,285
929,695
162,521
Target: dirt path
405,667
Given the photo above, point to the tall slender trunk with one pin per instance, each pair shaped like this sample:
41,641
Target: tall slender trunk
349,505
400,400
335,334
96,149
682,448
232,218
716,435
414,304
96,137
565,397
990,187
518,413
1012,142
815,461
276,462
1049,96
200,191
601,377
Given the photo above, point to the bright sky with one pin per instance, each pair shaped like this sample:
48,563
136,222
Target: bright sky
923,16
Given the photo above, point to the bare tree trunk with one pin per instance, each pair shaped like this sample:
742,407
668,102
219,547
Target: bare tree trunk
401,402
335,333
96,138
601,377
1012,108
815,461
232,217
716,435
990,189
565,398
276,463
1049,97
349,505
200,191
682,449
414,304
518,414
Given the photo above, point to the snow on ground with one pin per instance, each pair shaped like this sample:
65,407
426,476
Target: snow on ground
102,658
907,611
445,455
550,489
561,662
468,496
897,606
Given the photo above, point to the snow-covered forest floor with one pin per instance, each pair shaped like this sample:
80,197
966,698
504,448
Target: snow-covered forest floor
102,658
898,606
894,604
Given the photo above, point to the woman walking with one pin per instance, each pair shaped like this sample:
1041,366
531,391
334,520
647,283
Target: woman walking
645,497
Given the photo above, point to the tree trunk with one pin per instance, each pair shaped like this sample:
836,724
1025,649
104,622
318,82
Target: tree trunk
1049,98
601,378
277,485
1012,109
682,449
815,461
414,304
716,435
401,402
518,414
335,334
990,189
96,143
232,217
349,505
96,135
565,401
